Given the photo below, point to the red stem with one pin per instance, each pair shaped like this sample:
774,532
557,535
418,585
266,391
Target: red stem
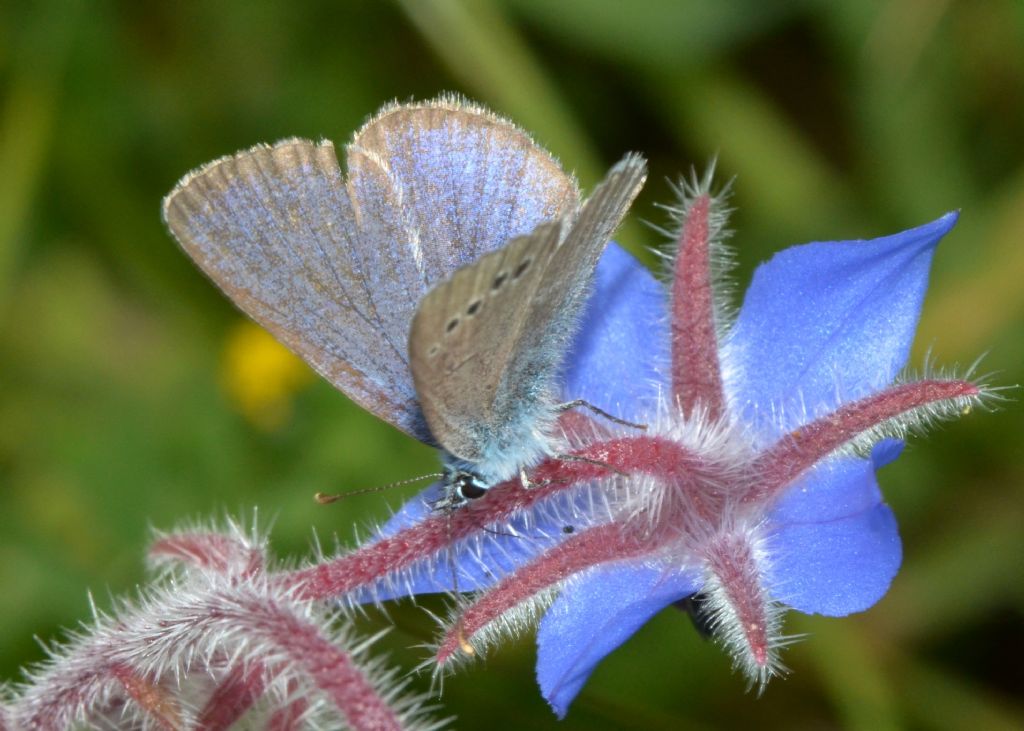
211,551
289,718
329,668
800,450
735,568
235,695
589,548
696,375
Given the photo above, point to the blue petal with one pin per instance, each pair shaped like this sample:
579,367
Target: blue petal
886,452
835,546
828,319
595,614
613,362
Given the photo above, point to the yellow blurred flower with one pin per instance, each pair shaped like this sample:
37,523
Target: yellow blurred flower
261,376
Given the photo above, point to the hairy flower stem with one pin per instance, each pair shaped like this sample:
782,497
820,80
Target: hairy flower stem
223,554
696,375
591,547
331,670
213,645
242,687
742,606
800,450
289,718
63,696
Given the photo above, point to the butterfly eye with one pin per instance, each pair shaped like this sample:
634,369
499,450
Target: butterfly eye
498,281
473,308
470,488
452,324
521,268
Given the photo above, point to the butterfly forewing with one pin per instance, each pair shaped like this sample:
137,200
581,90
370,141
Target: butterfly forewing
462,337
276,230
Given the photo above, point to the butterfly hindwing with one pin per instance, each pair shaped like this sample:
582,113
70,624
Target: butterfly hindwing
486,344
460,340
555,309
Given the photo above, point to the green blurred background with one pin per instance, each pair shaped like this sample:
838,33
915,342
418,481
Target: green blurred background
132,394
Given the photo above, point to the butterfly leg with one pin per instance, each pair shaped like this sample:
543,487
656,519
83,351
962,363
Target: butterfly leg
529,484
589,460
599,411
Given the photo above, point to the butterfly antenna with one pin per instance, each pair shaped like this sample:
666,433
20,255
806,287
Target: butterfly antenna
325,499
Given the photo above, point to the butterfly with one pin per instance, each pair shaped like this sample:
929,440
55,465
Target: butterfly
438,284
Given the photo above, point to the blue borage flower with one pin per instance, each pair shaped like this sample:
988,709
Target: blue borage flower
752,490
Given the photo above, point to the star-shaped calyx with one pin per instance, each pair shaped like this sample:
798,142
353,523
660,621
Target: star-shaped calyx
752,490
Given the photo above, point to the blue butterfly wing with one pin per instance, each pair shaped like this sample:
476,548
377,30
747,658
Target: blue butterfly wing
487,342
469,181
335,267
275,228
553,312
